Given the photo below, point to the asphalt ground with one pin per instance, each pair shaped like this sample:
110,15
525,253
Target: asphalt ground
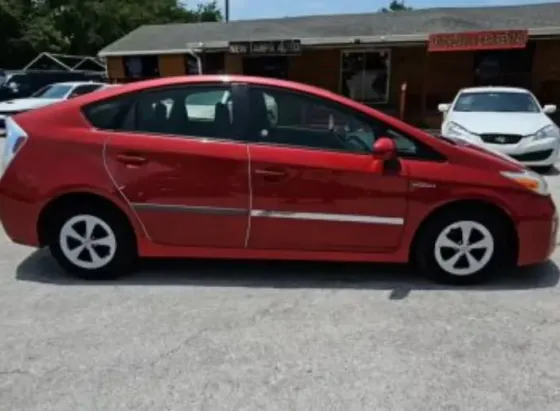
200,335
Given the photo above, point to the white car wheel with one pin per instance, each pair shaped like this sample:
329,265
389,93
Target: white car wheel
464,248
87,242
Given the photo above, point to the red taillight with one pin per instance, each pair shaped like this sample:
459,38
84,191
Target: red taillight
17,144
15,138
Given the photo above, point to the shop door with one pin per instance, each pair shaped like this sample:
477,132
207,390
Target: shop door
504,67
266,66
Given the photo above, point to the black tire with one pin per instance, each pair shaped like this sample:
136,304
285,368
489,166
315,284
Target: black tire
502,257
124,246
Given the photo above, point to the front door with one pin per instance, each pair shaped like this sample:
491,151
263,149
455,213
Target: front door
315,184
179,165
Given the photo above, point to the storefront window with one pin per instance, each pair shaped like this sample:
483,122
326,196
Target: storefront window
504,67
212,63
365,75
141,67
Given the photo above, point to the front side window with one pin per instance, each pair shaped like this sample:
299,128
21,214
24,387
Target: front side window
197,111
286,118
365,75
502,102
292,119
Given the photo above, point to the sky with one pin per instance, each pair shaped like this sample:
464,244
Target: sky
255,9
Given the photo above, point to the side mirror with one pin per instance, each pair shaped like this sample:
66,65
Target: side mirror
549,109
385,148
443,108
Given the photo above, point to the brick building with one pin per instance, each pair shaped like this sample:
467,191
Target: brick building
368,57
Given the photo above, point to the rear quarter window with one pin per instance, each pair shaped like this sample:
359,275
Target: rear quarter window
108,114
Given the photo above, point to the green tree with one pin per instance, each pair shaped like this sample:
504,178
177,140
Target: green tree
396,5
29,27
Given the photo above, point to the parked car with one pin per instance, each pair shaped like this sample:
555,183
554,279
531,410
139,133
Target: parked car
506,119
18,84
115,175
50,94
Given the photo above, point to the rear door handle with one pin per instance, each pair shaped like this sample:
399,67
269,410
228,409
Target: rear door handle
269,173
131,159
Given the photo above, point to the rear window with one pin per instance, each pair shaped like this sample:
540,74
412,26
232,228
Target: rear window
107,115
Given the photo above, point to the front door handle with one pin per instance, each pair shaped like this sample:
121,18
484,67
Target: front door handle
131,159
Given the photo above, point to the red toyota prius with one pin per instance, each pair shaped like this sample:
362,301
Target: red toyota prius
255,168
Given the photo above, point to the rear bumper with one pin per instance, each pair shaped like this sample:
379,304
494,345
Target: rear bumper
19,219
537,240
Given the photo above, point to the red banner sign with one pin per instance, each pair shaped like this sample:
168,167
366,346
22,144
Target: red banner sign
480,40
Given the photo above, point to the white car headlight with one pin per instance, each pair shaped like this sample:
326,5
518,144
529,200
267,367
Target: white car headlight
455,130
550,131
528,179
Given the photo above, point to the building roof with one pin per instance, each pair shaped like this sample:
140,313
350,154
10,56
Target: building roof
402,26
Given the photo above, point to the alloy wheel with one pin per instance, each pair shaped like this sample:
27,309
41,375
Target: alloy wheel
88,242
464,248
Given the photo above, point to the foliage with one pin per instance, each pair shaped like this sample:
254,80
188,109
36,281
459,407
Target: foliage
396,5
29,27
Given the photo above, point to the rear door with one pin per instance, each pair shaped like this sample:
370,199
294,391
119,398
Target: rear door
315,184
185,174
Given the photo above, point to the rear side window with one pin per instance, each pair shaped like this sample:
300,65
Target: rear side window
185,111
107,115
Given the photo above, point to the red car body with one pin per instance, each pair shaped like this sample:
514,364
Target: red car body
359,208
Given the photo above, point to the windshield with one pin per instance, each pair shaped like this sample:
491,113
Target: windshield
501,102
57,91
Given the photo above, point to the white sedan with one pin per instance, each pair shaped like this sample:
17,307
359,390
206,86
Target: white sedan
45,96
504,119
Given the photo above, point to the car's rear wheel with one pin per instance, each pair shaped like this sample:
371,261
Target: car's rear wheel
94,243
463,247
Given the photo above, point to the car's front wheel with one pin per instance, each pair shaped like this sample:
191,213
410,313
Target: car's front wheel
464,247
94,243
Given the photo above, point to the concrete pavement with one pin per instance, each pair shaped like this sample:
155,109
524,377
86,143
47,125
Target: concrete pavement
279,336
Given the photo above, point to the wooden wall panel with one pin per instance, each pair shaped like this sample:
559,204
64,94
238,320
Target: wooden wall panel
172,65
546,71
115,68
450,71
234,64
407,66
319,68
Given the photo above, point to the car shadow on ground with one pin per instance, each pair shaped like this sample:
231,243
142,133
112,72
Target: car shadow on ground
399,279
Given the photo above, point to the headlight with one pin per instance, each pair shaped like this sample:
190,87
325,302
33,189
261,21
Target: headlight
455,130
550,131
528,179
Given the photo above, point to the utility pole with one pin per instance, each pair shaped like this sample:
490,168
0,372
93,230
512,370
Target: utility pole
227,10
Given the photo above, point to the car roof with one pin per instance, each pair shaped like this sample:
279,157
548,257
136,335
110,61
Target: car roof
220,78
498,89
